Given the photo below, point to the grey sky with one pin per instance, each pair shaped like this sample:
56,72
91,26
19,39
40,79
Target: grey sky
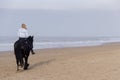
60,4
61,17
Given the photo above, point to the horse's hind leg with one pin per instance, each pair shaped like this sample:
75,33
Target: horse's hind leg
26,63
17,65
21,63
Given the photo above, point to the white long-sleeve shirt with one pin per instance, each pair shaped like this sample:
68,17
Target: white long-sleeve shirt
22,33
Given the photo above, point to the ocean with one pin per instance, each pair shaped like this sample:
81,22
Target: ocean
6,43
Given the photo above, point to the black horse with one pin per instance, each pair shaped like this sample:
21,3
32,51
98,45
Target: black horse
22,50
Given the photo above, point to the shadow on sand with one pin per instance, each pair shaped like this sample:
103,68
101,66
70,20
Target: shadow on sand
41,63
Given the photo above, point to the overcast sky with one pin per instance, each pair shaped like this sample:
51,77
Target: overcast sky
60,4
61,17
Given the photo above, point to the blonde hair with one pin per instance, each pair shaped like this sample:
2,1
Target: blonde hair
24,26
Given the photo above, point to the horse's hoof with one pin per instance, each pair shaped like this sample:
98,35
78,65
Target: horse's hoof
33,52
26,67
22,66
17,69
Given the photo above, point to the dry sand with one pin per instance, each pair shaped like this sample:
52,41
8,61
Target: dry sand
85,63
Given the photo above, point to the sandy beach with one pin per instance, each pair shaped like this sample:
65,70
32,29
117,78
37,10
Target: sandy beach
84,63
